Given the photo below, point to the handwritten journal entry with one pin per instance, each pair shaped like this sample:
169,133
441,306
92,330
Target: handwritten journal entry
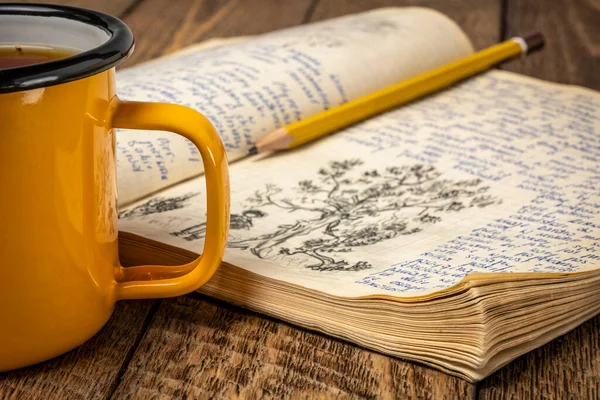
499,174
249,88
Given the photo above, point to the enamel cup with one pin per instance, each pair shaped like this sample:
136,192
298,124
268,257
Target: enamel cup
59,273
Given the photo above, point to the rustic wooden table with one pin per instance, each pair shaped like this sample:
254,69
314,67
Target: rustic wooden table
195,347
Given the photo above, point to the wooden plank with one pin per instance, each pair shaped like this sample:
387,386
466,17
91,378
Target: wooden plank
114,7
201,348
192,21
89,372
568,367
572,30
480,19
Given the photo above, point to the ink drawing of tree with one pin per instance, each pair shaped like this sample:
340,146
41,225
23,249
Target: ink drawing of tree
348,206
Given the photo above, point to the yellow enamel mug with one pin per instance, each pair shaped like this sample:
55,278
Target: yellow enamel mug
60,272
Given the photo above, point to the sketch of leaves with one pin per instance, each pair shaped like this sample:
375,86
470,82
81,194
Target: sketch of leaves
157,205
350,208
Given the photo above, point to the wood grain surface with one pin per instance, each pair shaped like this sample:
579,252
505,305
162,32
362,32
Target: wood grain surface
572,31
89,372
200,348
118,8
195,347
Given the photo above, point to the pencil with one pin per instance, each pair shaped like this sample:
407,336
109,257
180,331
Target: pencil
326,122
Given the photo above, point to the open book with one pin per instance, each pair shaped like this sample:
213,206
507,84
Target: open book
460,231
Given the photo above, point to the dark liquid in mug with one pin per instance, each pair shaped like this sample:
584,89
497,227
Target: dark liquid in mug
13,56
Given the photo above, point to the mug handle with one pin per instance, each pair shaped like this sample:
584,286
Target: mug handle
155,281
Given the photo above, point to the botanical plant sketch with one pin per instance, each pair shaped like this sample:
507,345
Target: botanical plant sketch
157,205
346,207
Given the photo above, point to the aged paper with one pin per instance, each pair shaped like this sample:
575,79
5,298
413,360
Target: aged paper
500,174
248,88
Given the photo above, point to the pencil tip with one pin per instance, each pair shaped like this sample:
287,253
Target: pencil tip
253,150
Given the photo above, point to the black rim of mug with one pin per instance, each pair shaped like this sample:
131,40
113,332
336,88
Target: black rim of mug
81,65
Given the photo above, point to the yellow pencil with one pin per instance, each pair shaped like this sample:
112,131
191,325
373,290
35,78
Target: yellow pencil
323,123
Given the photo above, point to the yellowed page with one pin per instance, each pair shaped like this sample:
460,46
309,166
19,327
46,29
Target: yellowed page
498,175
248,88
